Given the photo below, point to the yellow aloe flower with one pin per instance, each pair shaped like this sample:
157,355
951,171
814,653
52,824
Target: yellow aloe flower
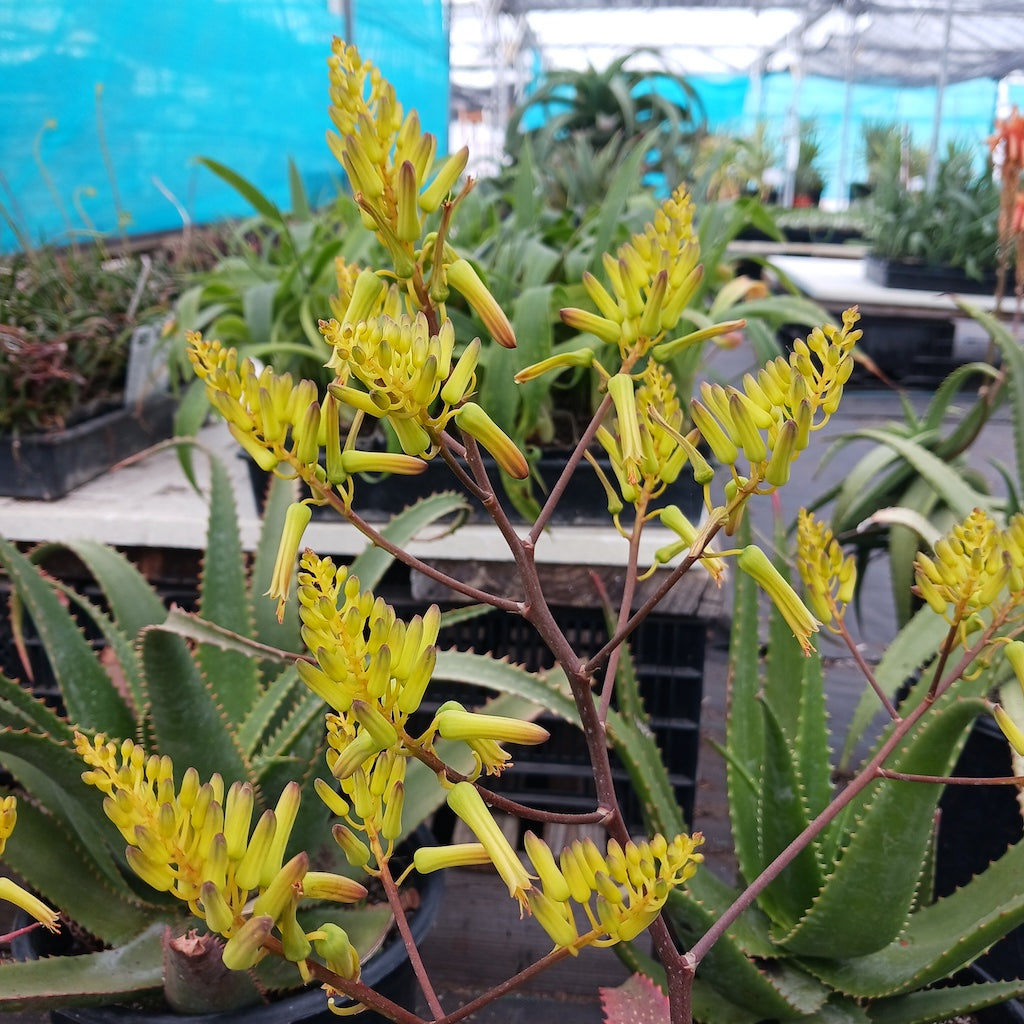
753,561
466,802
829,579
10,891
620,890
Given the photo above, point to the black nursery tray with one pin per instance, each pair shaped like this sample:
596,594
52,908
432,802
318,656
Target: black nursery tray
919,277
47,466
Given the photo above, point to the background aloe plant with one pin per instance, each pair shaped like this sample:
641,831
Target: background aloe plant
848,932
217,690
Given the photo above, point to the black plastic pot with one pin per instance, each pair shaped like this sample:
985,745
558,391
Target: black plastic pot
921,277
47,466
389,972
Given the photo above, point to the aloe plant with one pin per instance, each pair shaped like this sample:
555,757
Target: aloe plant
849,931
217,690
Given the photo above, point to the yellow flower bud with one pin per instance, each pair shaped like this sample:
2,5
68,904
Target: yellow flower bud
250,867
464,279
556,918
245,947
719,442
295,522
472,419
458,855
355,461
1010,729
548,873
753,561
462,379
581,357
601,327
467,803
464,725
325,885
444,181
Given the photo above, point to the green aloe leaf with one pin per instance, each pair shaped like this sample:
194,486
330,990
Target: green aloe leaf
224,599
939,1004
188,722
941,937
783,815
745,741
90,696
132,969
945,480
868,896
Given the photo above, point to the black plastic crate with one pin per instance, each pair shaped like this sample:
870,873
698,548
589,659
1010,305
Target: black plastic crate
668,655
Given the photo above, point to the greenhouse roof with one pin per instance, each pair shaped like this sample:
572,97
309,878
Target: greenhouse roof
898,42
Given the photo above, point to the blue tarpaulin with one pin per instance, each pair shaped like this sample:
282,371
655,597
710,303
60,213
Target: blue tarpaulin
105,105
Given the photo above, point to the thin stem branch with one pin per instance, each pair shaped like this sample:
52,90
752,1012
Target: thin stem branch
395,902
869,675
570,467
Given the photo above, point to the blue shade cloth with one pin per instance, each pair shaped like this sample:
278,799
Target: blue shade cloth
241,81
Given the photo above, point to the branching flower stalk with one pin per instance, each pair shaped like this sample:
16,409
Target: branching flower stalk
397,362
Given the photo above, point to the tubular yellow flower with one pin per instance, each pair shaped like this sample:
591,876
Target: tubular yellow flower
467,803
472,419
436,858
581,357
444,181
324,885
464,279
462,378
753,561
455,724
295,522
11,892
601,327
355,461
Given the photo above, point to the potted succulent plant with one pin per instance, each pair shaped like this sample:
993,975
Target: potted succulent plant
81,361
218,689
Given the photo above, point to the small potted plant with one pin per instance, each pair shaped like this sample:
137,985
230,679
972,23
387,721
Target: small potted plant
80,362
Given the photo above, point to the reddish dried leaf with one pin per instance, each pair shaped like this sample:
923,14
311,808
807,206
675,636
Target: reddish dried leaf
636,1001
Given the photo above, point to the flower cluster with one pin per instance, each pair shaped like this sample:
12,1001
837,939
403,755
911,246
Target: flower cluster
372,669
769,421
199,844
386,156
652,278
977,571
620,891
829,578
